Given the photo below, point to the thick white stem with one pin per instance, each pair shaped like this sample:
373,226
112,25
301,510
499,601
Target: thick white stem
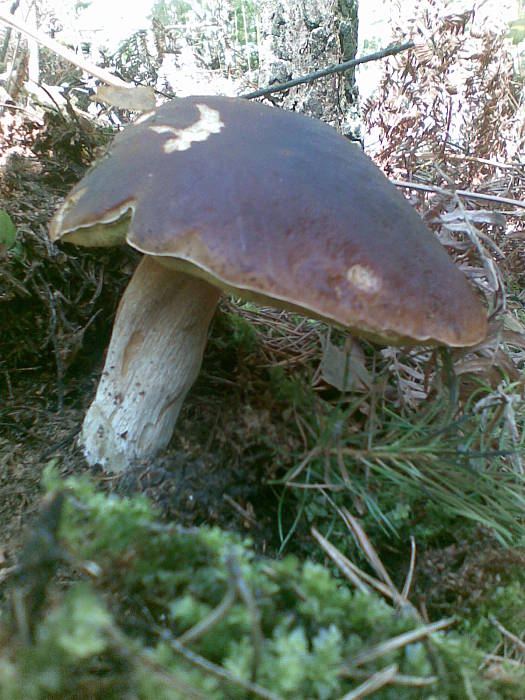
154,357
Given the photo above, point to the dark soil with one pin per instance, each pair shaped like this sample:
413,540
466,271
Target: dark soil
214,472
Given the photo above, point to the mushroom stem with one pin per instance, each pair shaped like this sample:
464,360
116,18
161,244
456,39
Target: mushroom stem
154,357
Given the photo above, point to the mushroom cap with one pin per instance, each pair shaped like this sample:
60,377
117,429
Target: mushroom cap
279,208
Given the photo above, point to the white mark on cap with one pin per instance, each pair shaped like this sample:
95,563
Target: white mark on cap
209,122
363,278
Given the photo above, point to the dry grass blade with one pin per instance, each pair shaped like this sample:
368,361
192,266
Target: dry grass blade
370,553
350,570
498,659
389,590
402,640
375,682
398,679
212,669
518,643
168,679
355,575
410,575
216,615
497,667
245,593
300,467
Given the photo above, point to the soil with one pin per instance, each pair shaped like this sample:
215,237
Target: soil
193,482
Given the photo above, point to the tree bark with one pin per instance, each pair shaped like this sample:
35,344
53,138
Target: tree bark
301,36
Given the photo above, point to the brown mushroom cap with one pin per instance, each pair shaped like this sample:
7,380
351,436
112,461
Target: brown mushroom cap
279,208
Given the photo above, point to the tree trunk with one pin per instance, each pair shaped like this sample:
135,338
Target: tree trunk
301,36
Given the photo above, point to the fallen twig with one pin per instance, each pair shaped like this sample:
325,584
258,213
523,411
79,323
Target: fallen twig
402,640
461,193
518,643
64,52
336,68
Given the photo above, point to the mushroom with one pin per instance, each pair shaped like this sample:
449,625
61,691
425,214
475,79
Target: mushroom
220,193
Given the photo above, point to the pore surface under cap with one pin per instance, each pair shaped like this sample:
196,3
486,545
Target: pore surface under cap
278,207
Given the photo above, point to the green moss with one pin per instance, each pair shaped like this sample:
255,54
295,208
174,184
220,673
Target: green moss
234,332
295,625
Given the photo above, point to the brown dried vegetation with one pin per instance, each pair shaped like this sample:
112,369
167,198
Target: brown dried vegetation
450,122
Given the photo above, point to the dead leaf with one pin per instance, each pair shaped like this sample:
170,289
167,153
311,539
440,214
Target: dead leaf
344,368
481,216
140,98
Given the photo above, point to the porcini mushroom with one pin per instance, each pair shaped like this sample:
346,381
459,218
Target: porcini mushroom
222,193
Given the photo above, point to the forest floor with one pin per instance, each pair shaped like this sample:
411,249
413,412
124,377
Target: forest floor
266,446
